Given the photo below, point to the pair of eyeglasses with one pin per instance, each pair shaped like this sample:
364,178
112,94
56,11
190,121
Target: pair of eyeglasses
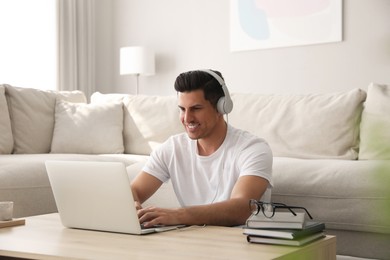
268,209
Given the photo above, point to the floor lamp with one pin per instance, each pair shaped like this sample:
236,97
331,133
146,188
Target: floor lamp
137,60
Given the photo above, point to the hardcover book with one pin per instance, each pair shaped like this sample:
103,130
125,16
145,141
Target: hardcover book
289,242
282,220
311,227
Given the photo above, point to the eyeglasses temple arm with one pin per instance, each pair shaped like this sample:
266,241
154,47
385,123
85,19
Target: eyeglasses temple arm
307,212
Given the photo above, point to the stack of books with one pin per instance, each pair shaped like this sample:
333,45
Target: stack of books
282,229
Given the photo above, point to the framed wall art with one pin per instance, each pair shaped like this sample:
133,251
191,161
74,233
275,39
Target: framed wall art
265,24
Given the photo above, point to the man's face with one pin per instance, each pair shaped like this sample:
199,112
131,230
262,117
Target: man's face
197,115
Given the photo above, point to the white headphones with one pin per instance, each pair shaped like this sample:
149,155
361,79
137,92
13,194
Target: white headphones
224,104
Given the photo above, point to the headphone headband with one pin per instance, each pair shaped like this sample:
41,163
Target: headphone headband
225,103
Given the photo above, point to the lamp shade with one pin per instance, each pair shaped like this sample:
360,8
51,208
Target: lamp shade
136,60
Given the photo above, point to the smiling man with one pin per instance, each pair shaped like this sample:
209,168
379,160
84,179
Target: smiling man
215,168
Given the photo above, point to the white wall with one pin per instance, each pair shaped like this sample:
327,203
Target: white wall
193,34
28,43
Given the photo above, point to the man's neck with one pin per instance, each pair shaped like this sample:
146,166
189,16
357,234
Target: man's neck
207,146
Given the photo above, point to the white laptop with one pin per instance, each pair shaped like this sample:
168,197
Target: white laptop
96,196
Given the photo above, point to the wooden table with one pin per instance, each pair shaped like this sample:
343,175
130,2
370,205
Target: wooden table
44,237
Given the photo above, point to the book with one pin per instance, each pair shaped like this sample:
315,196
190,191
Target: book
311,227
288,242
282,220
276,225
11,223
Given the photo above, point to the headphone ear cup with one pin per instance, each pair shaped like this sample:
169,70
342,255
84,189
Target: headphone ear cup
225,103
221,105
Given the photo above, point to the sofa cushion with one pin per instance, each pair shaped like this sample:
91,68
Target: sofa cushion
345,194
32,116
24,179
303,126
88,128
6,139
375,124
148,120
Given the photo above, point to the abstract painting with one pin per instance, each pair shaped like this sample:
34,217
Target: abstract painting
264,24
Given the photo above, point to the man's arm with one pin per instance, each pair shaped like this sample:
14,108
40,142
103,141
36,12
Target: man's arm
143,186
231,212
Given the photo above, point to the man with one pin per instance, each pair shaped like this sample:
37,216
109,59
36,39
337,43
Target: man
215,169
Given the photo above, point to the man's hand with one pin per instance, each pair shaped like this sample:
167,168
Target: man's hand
138,205
151,216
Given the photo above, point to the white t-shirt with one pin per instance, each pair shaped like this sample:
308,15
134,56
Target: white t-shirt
199,180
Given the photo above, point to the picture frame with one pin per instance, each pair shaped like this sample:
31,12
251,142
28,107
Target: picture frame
262,24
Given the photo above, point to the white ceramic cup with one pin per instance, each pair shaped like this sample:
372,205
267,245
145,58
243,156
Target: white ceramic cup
6,210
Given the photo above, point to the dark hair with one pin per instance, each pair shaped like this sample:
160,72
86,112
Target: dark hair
197,79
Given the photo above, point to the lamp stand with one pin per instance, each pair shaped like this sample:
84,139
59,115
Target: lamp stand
137,75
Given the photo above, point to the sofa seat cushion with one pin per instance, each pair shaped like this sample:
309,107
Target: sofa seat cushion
312,126
345,194
6,139
24,179
32,116
88,128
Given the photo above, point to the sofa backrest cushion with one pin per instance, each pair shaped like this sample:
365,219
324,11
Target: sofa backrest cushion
88,128
375,125
6,140
32,116
148,120
303,126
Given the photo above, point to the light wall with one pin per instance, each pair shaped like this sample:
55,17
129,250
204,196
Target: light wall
194,34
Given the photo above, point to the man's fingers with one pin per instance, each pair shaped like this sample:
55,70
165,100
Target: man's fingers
138,205
151,216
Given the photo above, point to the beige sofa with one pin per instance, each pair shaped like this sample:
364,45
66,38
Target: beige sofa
331,151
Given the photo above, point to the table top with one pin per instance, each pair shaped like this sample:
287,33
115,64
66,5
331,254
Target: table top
44,237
